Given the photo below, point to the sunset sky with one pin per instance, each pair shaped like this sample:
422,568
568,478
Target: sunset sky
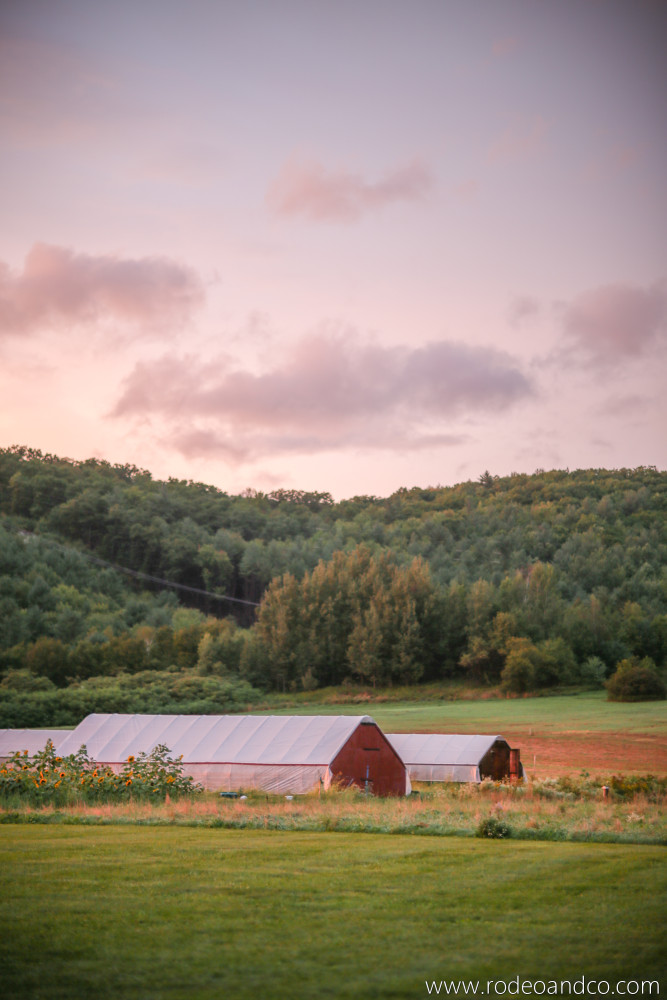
335,245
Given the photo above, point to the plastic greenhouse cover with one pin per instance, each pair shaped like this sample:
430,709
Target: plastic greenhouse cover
32,740
295,740
441,756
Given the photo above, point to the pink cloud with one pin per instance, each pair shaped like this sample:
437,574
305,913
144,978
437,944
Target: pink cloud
310,190
60,287
523,308
614,161
467,190
504,46
331,392
616,322
523,139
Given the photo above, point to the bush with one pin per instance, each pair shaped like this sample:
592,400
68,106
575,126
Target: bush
627,786
23,680
149,691
636,680
494,828
592,671
518,673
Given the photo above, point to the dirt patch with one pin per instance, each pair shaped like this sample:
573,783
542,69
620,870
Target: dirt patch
598,753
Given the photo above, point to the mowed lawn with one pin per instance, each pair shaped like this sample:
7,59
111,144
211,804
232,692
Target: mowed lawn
132,912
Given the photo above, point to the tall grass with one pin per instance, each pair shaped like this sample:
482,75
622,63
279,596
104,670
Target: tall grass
554,809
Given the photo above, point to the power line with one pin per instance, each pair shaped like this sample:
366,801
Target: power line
144,576
170,583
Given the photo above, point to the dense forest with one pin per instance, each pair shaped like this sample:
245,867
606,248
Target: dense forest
122,593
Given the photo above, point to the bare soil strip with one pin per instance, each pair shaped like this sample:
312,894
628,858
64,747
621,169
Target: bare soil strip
597,753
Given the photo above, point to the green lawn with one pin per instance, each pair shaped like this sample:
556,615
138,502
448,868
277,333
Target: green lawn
128,913
589,712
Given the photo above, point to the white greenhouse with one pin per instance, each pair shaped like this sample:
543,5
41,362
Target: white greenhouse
443,757
32,740
286,754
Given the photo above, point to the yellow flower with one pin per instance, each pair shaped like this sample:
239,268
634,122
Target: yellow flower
170,779
56,784
130,760
129,781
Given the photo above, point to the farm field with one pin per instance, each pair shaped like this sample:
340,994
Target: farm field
557,735
153,912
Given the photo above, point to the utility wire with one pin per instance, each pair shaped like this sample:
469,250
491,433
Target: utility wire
144,576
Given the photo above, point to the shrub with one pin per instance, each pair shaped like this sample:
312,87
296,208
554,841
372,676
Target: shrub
497,829
518,672
636,680
23,680
627,786
592,671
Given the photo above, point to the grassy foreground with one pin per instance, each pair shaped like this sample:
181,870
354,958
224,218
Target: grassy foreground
175,913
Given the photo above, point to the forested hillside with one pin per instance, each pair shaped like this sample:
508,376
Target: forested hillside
527,581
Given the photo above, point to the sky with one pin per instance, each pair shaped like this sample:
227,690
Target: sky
335,245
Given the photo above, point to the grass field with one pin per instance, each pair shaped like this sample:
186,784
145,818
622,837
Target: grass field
555,734
175,913
218,898
583,712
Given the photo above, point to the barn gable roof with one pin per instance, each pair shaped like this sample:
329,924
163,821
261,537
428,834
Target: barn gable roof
233,739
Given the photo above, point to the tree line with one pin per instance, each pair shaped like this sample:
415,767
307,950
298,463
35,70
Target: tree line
524,581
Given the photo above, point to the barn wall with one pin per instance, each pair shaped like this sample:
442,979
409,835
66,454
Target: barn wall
369,753
495,763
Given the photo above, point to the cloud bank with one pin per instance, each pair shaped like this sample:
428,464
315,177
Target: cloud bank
308,189
331,392
59,287
616,322
602,328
